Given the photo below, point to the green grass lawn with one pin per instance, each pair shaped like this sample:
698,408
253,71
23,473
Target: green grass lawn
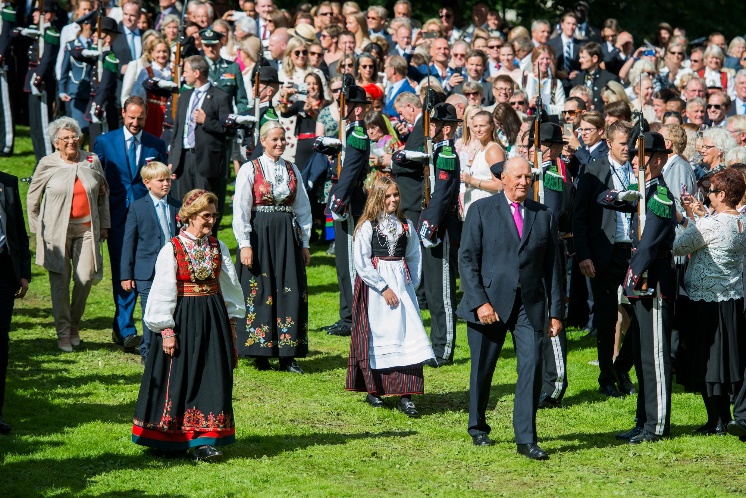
303,435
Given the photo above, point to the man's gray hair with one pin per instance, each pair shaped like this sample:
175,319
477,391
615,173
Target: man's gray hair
63,123
696,101
735,155
199,63
380,10
539,22
247,25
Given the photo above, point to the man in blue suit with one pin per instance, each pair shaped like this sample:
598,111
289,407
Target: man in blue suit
396,71
510,272
122,153
151,223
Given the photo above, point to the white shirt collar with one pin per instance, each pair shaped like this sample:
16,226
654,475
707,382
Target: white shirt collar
156,200
128,135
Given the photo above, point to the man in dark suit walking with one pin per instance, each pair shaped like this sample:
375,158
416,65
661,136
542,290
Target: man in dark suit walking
15,259
123,152
197,155
603,247
510,272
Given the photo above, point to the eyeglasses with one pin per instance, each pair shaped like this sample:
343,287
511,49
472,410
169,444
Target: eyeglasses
445,15
326,14
458,55
298,53
705,147
373,18
469,94
714,106
570,112
586,130
518,102
695,61
323,35
668,114
71,138
348,64
714,191
316,54
209,216
680,54
366,66
336,90
494,47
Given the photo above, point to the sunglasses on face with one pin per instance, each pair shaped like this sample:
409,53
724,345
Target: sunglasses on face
695,61
470,94
298,53
518,102
714,106
366,66
494,47
713,191
445,15
570,113
681,54
668,114
336,90
326,14
316,54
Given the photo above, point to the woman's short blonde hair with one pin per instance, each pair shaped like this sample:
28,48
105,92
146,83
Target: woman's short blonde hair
194,202
269,126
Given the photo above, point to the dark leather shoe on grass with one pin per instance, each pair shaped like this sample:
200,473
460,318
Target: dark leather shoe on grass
340,330
625,384
207,453
532,451
710,430
611,391
374,401
626,436
262,363
737,428
547,402
644,437
481,440
131,341
406,406
290,365
438,362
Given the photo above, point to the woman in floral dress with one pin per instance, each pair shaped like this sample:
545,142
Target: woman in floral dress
272,224
187,387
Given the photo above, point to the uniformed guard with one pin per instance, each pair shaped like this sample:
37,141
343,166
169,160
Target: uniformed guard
224,74
74,86
347,201
101,110
650,285
40,80
558,195
7,129
440,233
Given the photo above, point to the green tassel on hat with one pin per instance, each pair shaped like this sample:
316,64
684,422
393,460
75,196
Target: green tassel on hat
270,115
51,37
111,63
553,180
9,15
660,204
358,139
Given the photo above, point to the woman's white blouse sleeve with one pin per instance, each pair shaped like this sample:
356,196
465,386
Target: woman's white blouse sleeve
690,239
302,208
230,287
159,312
414,255
243,201
363,254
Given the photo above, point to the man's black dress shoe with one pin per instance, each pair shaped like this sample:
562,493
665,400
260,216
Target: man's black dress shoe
131,341
710,430
611,391
644,437
625,384
290,365
4,427
207,453
437,362
481,440
532,451
374,401
340,330
262,363
546,401
116,339
626,436
329,327
406,406
735,428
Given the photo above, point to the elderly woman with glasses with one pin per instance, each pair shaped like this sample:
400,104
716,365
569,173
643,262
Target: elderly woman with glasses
68,210
713,73
712,355
272,223
716,142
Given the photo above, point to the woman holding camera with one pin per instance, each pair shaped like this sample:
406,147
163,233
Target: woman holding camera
306,113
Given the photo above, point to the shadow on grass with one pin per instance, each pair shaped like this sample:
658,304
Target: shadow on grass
458,401
260,446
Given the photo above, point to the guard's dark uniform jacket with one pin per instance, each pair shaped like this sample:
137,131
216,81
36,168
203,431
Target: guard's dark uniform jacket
559,193
409,175
348,197
440,218
227,76
653,252
41,67
103,93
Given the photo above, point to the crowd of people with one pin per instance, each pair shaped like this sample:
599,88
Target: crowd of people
566,174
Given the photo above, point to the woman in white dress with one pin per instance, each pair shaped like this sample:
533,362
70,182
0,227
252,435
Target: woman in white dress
154,63
544,73
389,343
477,181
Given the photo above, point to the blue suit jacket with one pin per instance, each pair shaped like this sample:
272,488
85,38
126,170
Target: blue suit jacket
143,238
388,109
125,186
493,261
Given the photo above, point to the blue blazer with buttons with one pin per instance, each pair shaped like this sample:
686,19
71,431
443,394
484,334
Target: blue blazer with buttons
143,238
389,110
125,183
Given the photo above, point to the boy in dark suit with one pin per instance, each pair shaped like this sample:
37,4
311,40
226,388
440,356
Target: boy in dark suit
151,223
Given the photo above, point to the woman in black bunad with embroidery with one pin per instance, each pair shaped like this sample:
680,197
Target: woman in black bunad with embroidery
187,387
272,224
389,343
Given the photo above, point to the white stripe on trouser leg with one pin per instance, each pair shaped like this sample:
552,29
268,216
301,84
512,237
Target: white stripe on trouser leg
350,246
7,116
660,374
45,123
559,364
447,298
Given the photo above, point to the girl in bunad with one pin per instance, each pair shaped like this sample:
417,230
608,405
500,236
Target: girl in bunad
187,387
389,343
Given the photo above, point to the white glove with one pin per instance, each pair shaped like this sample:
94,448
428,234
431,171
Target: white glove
537,171
429,244
94,119
35,91
241,119
330,142
90,52
167,84
31,32
414,155
339,217
629,195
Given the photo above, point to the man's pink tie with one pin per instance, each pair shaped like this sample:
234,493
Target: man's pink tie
517,218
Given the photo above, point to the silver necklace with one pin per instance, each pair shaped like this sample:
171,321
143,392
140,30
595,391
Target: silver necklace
388,228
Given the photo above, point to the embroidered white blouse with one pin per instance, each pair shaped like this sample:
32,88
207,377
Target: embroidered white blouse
277,176
717,250
159,313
